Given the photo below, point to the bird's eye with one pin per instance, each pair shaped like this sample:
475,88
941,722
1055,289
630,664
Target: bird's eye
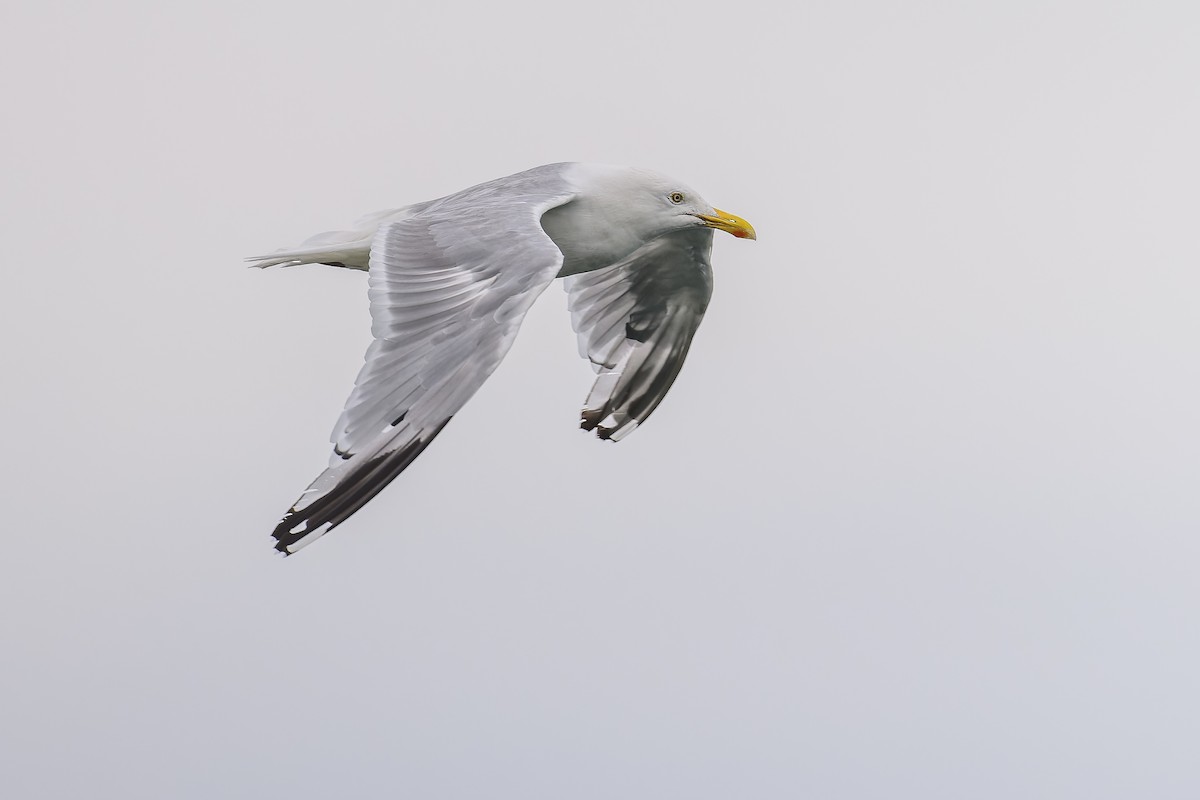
677,197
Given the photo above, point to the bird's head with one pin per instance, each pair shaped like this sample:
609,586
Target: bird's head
651,205
679,207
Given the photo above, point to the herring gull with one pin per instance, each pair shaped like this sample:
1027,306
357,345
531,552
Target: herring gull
450,281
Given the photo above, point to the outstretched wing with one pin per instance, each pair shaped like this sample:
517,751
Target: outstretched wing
449,288
635,321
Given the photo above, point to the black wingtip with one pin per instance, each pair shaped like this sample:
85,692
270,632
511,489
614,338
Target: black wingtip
283,535
590,421
318,517
589,418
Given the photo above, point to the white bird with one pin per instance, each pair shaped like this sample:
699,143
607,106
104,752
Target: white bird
450,281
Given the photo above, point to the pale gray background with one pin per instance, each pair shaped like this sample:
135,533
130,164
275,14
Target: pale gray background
919,519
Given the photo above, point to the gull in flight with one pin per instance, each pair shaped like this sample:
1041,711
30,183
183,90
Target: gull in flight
450,281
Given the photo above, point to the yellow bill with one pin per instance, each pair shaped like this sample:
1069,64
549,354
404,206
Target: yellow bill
730,223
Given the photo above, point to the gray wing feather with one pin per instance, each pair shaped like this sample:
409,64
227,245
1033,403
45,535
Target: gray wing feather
448,288
635,321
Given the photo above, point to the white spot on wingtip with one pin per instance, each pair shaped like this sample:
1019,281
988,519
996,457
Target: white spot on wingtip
618,435
309,538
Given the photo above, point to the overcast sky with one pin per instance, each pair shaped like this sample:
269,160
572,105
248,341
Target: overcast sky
919,518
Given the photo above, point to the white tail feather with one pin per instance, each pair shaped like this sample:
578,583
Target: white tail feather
350,249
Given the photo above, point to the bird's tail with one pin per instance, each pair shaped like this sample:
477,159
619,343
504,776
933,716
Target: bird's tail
350,249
